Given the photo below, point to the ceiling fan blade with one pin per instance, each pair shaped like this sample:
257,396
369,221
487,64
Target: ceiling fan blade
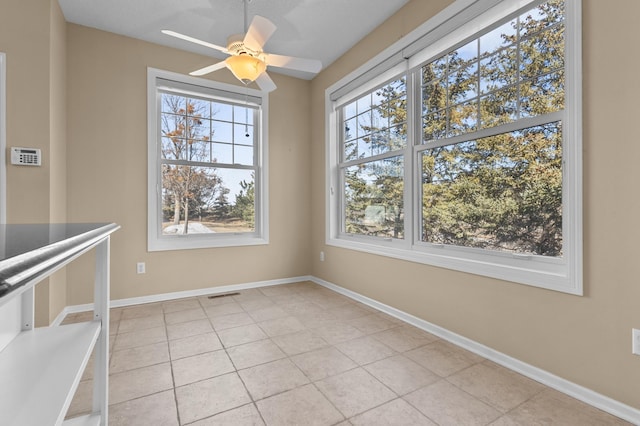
299,64
194,40
265,83
260,30
209,69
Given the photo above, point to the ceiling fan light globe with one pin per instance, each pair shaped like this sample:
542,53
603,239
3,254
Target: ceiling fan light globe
246,68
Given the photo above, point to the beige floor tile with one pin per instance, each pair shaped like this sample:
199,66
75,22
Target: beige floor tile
297,343
267,313
255,353
241,335
552,407
115,314
317,319
401,374
158,409
405,338
187,329
280,326
141,323
274,377
140,338
349,312
253,303
300,406
224,309
396,412
209,397
247,415
138,311
184,316
501,388
447,405
232,320
194,345
287,299
277,290
372,323
180,305
365,350
323,363
355,391
338,332
141,382
140,356
200,367
443,358
301,308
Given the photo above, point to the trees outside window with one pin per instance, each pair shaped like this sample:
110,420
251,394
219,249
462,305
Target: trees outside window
470,158
206,164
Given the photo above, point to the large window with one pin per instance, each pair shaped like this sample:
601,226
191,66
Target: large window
467,155
206,163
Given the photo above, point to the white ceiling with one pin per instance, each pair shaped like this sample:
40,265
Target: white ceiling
315,29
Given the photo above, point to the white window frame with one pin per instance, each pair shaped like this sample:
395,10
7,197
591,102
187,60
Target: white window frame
203,88
459,22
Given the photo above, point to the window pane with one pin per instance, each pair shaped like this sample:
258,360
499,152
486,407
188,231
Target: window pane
222,131
198,108
463,118
373,195
499,107
222,153
543,16
434,126
350,110
242,114
499,193
243,134
542,95
463,83
174,149
498,70
243,154
173,103
204,200
542,53
221,111
498,38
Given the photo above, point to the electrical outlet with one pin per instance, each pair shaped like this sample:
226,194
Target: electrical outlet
635,347
321,256
140,268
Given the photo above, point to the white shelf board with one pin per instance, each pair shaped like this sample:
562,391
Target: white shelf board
40,370
88,420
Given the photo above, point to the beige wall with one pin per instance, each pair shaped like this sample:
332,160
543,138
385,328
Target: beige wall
107,171
586,340
32,34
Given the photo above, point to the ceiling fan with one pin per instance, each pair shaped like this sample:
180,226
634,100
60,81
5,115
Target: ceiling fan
247,61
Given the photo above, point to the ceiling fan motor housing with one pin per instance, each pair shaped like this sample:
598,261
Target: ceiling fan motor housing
236,46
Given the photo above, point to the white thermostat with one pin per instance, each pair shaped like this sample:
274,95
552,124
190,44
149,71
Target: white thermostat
26,156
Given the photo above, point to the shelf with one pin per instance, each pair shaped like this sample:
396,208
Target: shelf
40,371
88,420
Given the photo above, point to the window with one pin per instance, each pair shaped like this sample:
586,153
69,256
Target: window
465,152
206,163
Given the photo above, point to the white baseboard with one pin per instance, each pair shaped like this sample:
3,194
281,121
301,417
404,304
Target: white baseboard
581,393
576,391
118,303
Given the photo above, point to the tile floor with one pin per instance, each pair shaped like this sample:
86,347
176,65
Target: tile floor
300,354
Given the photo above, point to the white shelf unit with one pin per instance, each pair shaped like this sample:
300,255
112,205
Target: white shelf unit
40,368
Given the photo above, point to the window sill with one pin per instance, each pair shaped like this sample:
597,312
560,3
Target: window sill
198,242
550,274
